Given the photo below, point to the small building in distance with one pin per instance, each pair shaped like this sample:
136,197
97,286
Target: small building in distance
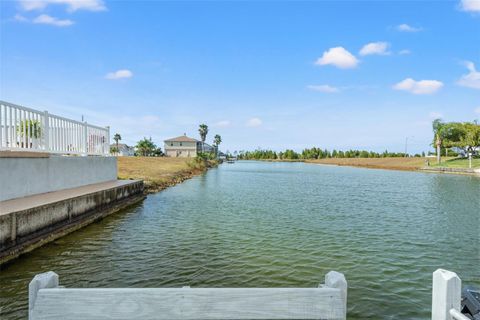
123,150
184,146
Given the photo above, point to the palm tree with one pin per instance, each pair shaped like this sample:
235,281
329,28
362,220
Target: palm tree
117,137
146,147
438,131
203,131
216,142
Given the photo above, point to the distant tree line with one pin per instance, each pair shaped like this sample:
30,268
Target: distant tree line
315,153
455,137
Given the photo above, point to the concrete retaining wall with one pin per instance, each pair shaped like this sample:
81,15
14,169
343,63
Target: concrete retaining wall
23,176
24,230
452,170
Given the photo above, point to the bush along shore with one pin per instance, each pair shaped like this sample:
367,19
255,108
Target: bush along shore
159,173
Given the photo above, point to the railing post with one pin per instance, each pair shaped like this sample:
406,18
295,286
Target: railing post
337,280
40,281
107,143
85,138
446,294
46,130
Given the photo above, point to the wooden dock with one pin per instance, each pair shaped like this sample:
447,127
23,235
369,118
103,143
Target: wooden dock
47,300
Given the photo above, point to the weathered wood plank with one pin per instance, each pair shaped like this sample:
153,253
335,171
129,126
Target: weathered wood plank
187,303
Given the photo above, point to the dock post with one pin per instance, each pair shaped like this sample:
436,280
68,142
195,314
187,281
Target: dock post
40,281
337,280
446,294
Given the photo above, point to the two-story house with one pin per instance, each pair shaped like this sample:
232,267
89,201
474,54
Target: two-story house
184,146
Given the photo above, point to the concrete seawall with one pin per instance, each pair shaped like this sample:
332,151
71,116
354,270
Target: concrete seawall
30,222
452,170
40,173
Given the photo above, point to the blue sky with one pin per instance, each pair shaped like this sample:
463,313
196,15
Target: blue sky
359,74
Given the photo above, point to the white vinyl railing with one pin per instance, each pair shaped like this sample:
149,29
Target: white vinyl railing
446,296
48,300
25,129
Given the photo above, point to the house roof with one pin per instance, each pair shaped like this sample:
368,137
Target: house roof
120,145
183,138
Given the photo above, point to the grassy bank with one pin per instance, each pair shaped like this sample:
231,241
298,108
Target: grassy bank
410,164
376,163
457,163
159,173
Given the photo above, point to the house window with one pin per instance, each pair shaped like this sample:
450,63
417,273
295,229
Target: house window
180,144
171,144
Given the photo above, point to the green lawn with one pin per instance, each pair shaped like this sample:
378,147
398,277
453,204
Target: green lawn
457,163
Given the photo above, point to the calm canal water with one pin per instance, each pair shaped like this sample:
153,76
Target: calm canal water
256,224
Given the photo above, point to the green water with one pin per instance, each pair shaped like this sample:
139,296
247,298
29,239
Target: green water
255,224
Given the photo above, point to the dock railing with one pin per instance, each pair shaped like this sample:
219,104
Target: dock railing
48,300
446,296
25,129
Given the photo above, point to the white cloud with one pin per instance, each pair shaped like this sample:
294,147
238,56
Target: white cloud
379,48
20,18
323,88
477,110
222,124
72,5
254,122
419,87
338,57
470,5
406,28
404,52
119,74
471,79
46,19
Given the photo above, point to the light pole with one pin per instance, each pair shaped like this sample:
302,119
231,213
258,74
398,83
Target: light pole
406,145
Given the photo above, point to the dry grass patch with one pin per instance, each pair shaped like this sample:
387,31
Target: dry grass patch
156,172
377,163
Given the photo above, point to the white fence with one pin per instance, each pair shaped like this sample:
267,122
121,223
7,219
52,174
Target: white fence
25,129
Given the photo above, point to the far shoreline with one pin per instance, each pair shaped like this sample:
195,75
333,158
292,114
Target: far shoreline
416,164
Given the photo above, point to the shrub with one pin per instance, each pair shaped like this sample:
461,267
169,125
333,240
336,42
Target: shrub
31,127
